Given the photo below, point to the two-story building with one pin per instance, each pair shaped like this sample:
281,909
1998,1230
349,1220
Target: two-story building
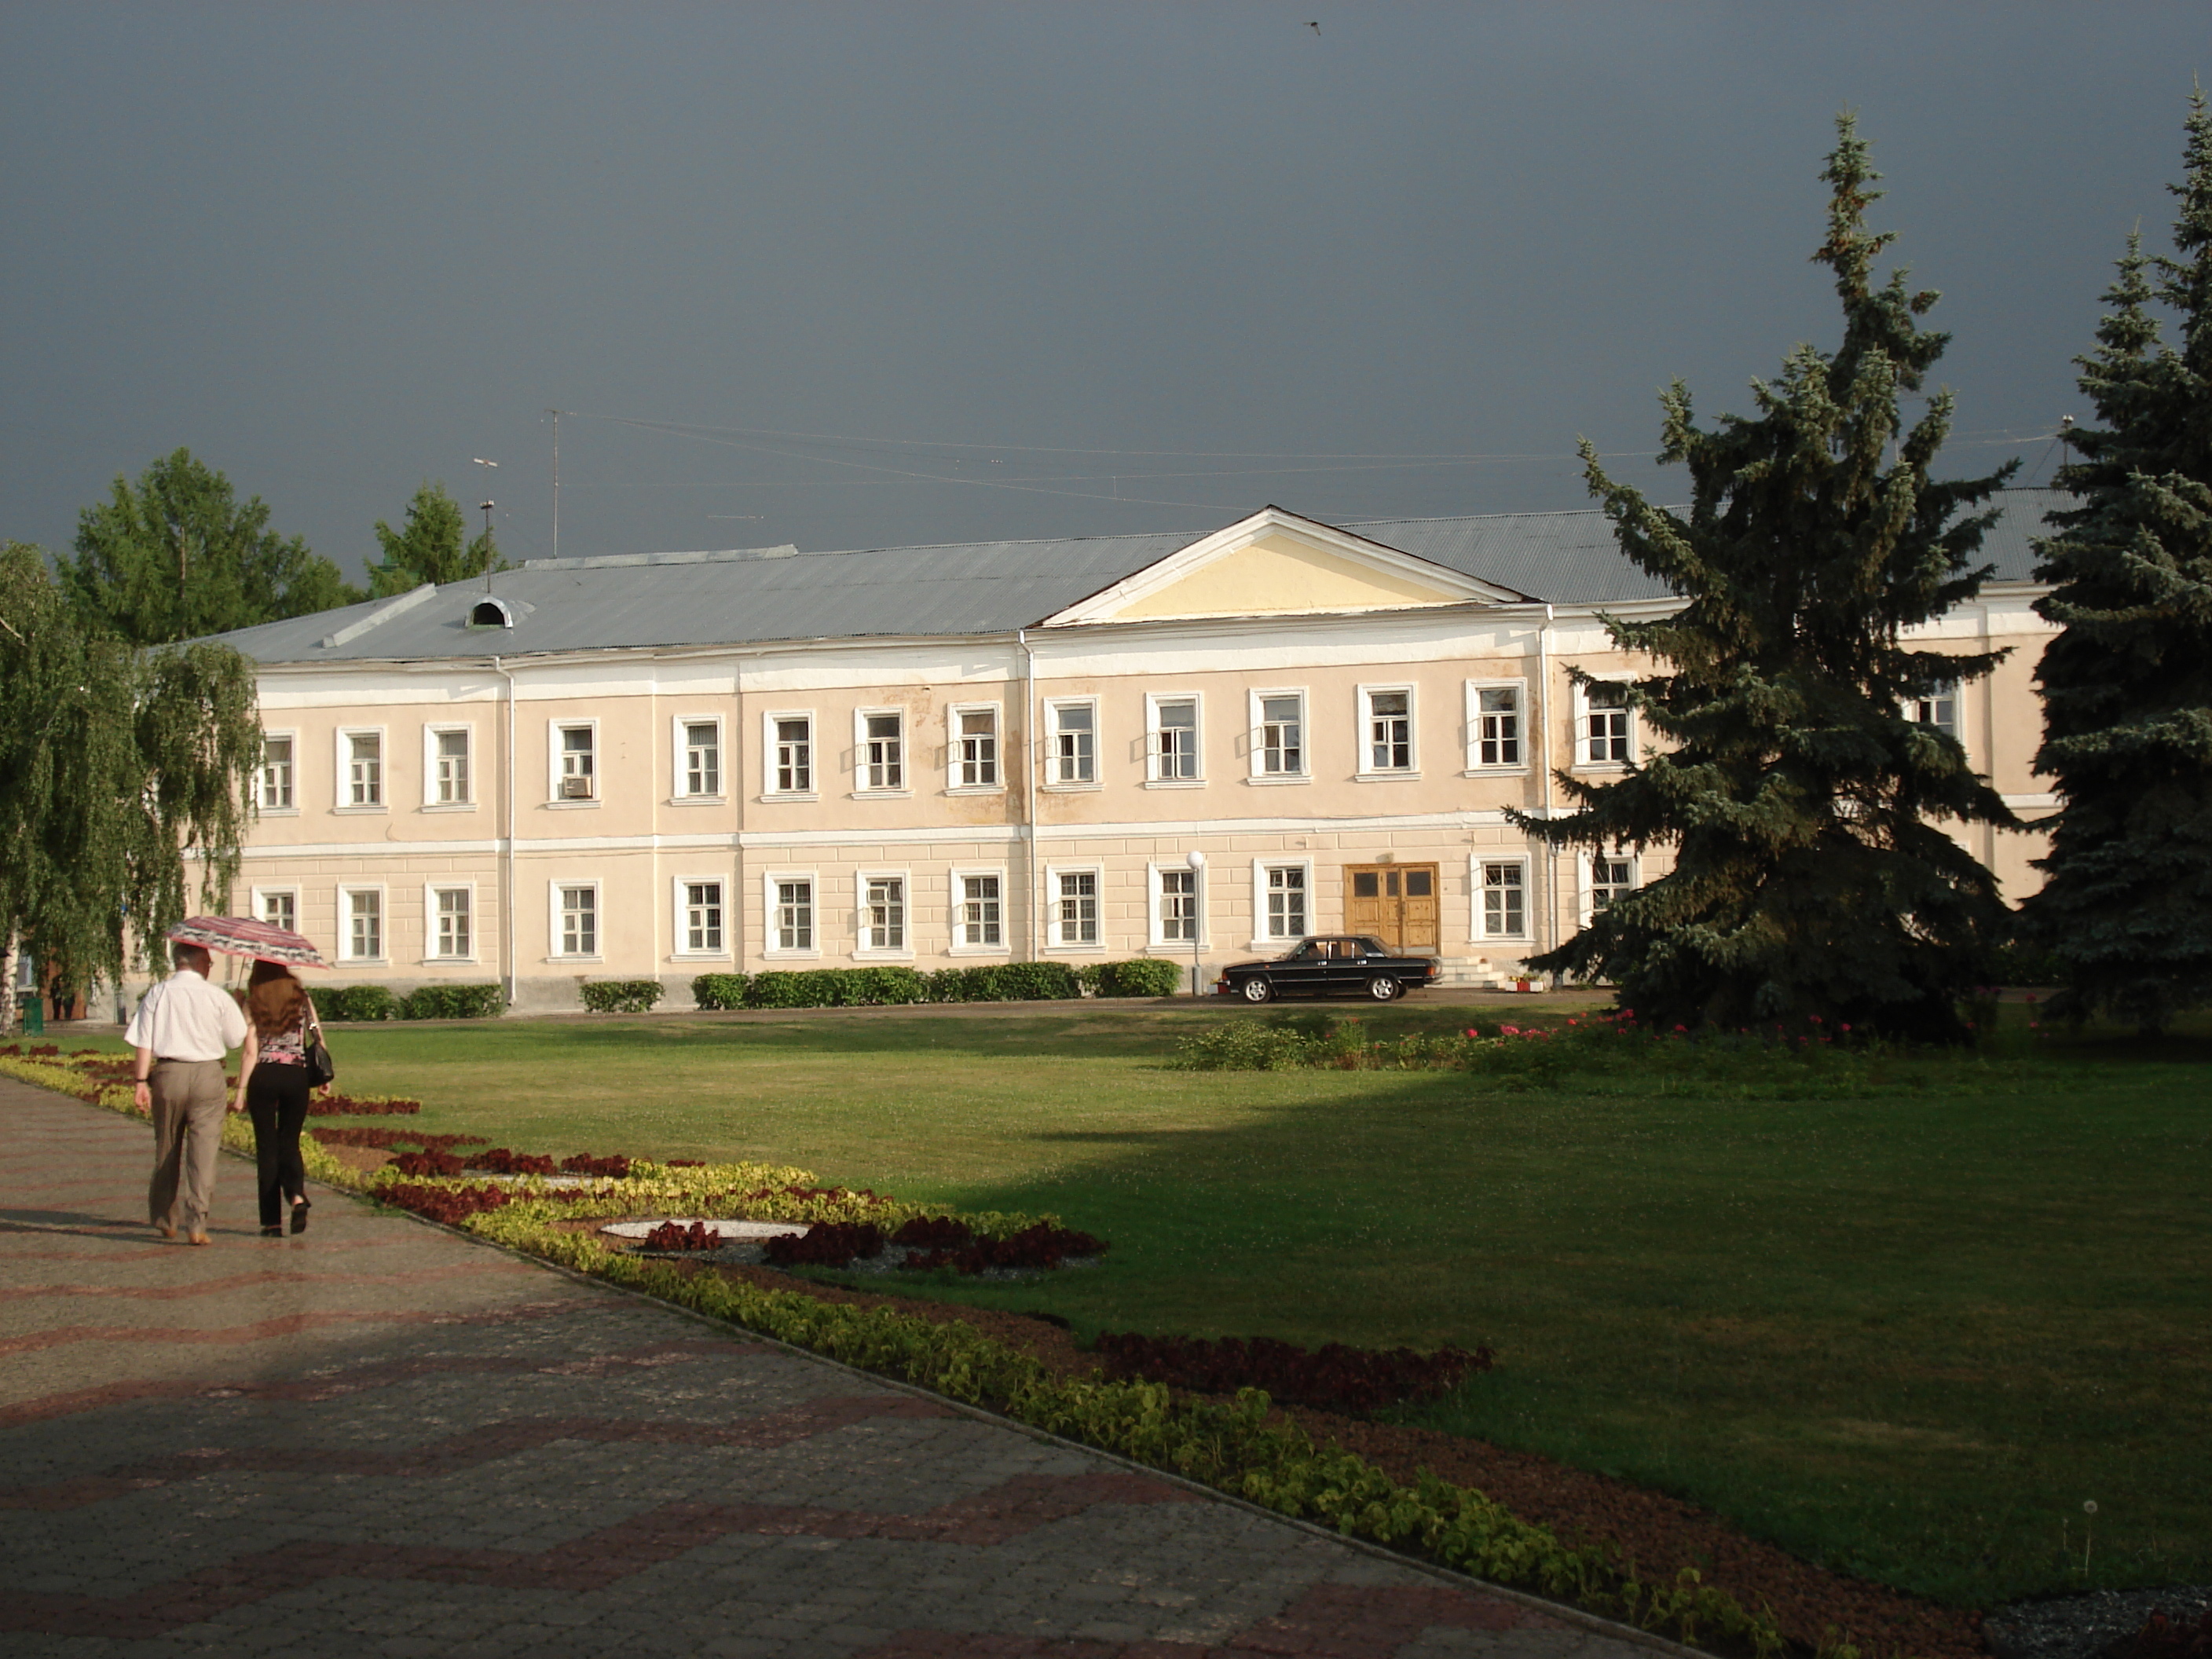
663,764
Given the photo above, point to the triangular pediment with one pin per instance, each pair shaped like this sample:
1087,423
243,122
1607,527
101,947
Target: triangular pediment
1276,564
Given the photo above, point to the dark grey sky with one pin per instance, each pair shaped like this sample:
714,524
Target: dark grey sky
1196,258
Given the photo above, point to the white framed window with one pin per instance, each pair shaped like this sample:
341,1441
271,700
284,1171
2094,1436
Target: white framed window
881,926
1386,731
787,751
973,754
1073,921
449,922
1605,725
574,919
1939,709
1501,897
1497,726
361,924
1607,878
697,747
572,755
273,793
1074,731
1282,891
879,738
448,770
361,769
278,906
1171,748
789,908
979,910
701,913
1278,736
1178,905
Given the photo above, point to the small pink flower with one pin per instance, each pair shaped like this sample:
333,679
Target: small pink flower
1815,1018
1681,1028
1847,1028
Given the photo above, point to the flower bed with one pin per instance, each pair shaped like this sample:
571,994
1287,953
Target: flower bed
1335,1377
670,1236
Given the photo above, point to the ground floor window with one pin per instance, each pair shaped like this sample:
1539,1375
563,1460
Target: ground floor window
580,921
1611,880
1079,907
1287,902
364,909
794,916
702,915
1504,899
980,922
454,935
882,919
1179,906
281,910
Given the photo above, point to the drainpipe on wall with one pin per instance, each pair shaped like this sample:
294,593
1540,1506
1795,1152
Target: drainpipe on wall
1029,788
506,853
1544,726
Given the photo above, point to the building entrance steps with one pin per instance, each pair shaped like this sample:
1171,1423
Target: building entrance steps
379,1437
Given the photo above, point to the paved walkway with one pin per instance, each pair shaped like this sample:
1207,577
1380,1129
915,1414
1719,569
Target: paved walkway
378,1438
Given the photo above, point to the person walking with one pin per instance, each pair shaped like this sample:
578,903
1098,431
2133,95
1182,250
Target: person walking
273,1085
180,1033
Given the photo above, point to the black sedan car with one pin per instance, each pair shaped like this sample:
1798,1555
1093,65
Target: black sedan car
1331,964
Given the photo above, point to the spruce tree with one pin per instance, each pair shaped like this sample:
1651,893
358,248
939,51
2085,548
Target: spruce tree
2127,685
428,547
1814,874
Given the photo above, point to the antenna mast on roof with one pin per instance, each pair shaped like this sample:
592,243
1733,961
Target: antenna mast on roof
556,414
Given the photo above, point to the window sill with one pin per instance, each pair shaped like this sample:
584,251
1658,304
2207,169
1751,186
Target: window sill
1502,938
883,956
1598,767
1075,950
449,806
791,956
1174,783
1386,777
976,789
574,959
448,961
359,811
572,806
883,794
1495,772
364,961
980,951
794,795
277,811
697,800
1090,788
1265,781
699,955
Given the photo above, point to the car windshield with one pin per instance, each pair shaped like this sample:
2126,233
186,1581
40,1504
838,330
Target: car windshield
1310,950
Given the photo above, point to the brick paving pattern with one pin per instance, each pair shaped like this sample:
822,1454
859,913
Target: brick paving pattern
378,1438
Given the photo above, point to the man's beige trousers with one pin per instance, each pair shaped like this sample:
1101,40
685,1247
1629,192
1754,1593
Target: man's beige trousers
188,1102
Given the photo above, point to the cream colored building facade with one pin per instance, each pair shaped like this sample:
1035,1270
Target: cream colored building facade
463,789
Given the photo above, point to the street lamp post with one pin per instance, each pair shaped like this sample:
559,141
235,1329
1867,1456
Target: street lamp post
1196,860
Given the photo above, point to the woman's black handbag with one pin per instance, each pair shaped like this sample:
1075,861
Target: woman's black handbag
320,1069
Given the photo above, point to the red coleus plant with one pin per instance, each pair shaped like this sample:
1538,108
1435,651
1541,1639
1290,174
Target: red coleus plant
394,1140
1040,1246
429,1162
499,1161
615,1165
825,1244
347,1106
1335,1377
668,1235
451,1205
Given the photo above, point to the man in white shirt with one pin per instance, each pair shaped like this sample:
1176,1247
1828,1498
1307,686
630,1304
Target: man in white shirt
182,1031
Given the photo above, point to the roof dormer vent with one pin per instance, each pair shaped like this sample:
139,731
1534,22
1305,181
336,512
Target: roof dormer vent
489,612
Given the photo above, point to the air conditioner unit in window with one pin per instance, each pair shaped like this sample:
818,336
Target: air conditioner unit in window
575,789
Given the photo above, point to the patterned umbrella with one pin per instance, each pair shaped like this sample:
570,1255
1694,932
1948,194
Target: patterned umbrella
242,936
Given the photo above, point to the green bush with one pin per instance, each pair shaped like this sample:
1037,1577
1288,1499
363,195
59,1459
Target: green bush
812,988
1005,981
718,990
355,1002
621,996
876,987
1141,976
453,1002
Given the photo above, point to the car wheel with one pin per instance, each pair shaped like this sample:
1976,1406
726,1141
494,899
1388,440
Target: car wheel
1383,988
1256,989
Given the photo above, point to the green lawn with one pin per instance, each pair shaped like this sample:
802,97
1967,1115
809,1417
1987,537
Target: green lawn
1906,1335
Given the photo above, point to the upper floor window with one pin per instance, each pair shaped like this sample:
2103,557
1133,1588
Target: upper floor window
1498,725
1074,743
450,761
883,752
1389,731
1175,740
975,757
579,753
1939,709
1608,735
364,769
794,760
1282,746
275,774
703,758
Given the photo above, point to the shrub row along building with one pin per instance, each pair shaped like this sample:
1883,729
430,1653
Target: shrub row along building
659,765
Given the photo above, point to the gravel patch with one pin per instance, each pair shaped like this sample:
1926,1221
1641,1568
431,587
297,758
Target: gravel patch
2084,1626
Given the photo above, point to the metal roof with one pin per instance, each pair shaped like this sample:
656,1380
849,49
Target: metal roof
766,595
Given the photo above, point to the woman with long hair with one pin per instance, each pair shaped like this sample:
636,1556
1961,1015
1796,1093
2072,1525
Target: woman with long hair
273,1085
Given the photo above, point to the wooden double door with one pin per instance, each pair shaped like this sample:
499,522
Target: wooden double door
1394,902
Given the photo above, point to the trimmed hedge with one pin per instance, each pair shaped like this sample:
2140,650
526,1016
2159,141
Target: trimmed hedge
454,1002
355,1002
1140,977
621,996
719,991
